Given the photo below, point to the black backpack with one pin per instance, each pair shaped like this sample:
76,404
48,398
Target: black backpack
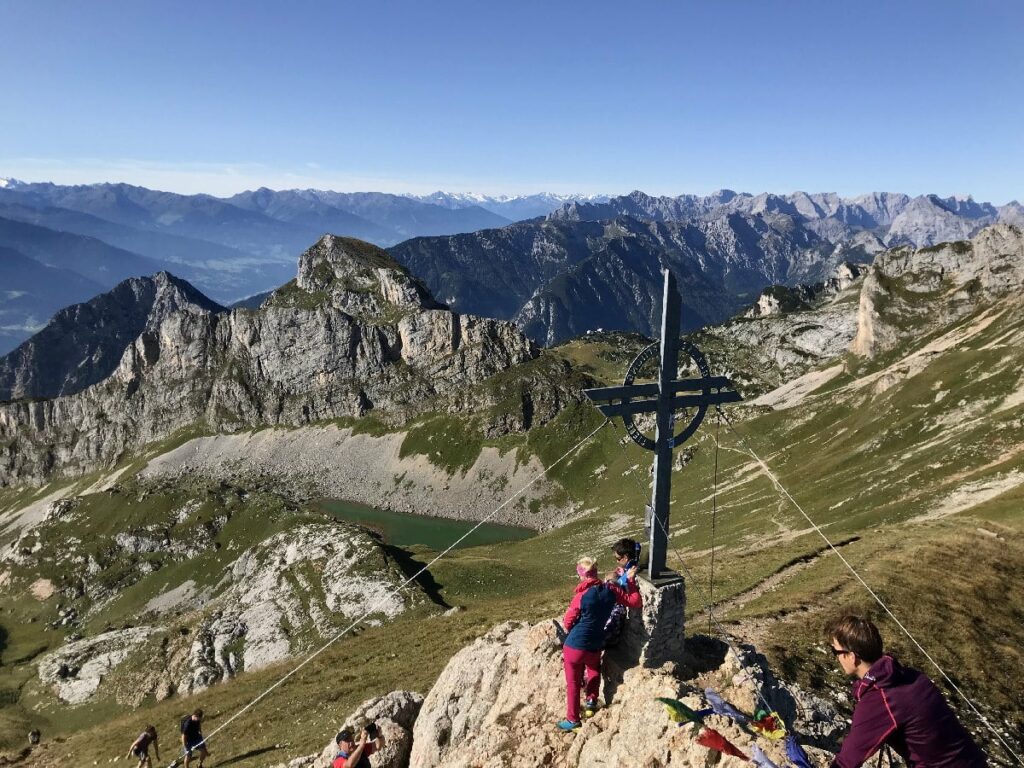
614,625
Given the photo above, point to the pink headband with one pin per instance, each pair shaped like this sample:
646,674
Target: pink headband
591,571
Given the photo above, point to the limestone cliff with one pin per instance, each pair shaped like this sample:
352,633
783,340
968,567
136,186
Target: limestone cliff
908,291
354,332
497,701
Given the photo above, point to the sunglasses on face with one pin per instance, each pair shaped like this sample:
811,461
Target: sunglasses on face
837,652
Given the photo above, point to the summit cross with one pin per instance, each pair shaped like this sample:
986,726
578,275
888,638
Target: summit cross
663,399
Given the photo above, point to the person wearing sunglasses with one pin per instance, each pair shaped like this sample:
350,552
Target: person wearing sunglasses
894,705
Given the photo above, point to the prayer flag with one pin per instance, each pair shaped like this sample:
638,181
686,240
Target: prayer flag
712,739
723,707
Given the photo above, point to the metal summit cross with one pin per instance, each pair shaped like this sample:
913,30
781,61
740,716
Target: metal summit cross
664,398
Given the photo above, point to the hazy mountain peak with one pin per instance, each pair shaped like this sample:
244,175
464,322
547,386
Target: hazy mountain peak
83,343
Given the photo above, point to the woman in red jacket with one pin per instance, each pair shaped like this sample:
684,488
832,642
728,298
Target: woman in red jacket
584,622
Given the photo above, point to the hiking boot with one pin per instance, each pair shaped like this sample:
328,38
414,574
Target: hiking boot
590,707
568,725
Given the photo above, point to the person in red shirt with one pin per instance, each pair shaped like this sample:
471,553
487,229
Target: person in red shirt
584,621
352,754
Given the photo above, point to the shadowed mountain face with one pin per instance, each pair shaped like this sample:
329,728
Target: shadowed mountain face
31,292
558,278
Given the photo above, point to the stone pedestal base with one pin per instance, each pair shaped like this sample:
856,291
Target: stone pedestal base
654,634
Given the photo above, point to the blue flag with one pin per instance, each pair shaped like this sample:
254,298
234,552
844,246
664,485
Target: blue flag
796,754
759,758
722,707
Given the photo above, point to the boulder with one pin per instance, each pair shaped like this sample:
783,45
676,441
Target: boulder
498,700
394,713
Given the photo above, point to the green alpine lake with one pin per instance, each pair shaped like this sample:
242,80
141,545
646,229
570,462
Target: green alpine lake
404,530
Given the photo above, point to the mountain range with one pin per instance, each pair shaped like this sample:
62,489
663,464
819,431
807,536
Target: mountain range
574,263
592,265
230,248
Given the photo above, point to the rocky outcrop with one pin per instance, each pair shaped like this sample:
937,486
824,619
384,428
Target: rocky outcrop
77,669
496,703
314,578
394,713
363,336
787,333
906,291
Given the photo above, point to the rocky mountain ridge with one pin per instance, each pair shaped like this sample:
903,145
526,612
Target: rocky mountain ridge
894,218
83,343
559,278
353,333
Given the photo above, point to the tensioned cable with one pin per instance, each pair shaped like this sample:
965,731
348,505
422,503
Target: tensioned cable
707,604
714,519
788,495
397,589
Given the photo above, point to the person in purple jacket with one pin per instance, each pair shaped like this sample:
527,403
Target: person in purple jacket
895,705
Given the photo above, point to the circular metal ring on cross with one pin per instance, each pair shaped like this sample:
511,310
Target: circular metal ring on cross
651,352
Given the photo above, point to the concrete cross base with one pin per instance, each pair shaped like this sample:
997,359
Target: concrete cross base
654,635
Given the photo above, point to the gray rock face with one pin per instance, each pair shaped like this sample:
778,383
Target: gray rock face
76,670
83,343
496,703
306,577
907,290
366,335
788,331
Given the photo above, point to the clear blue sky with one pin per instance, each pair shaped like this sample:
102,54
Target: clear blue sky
490,96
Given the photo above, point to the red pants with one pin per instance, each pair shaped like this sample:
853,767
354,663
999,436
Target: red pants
575,662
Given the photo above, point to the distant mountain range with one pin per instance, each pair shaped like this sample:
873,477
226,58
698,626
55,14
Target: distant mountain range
556,264
594,264
512,207
82,240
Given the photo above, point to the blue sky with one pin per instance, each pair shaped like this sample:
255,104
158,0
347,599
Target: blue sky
512,97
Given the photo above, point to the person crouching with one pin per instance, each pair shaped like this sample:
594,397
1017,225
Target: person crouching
584,623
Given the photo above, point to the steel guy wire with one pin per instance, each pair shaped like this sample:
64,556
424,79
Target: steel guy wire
782,489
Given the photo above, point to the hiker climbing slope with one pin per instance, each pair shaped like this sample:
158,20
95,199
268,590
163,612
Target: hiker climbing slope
584,621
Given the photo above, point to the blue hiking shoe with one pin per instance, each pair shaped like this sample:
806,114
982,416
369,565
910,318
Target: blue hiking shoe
568,725
590,707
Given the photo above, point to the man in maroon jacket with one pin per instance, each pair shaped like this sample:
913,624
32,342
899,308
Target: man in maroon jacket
895,705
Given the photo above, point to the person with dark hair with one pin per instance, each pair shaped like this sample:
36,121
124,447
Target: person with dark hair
895,705
627,555
140,747
584,622
352,754
192,737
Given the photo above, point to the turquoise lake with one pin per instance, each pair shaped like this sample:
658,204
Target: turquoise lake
437,533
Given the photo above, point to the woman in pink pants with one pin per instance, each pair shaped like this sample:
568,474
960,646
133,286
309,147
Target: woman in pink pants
584,622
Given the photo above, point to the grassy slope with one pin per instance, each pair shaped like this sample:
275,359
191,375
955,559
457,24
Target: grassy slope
864,463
